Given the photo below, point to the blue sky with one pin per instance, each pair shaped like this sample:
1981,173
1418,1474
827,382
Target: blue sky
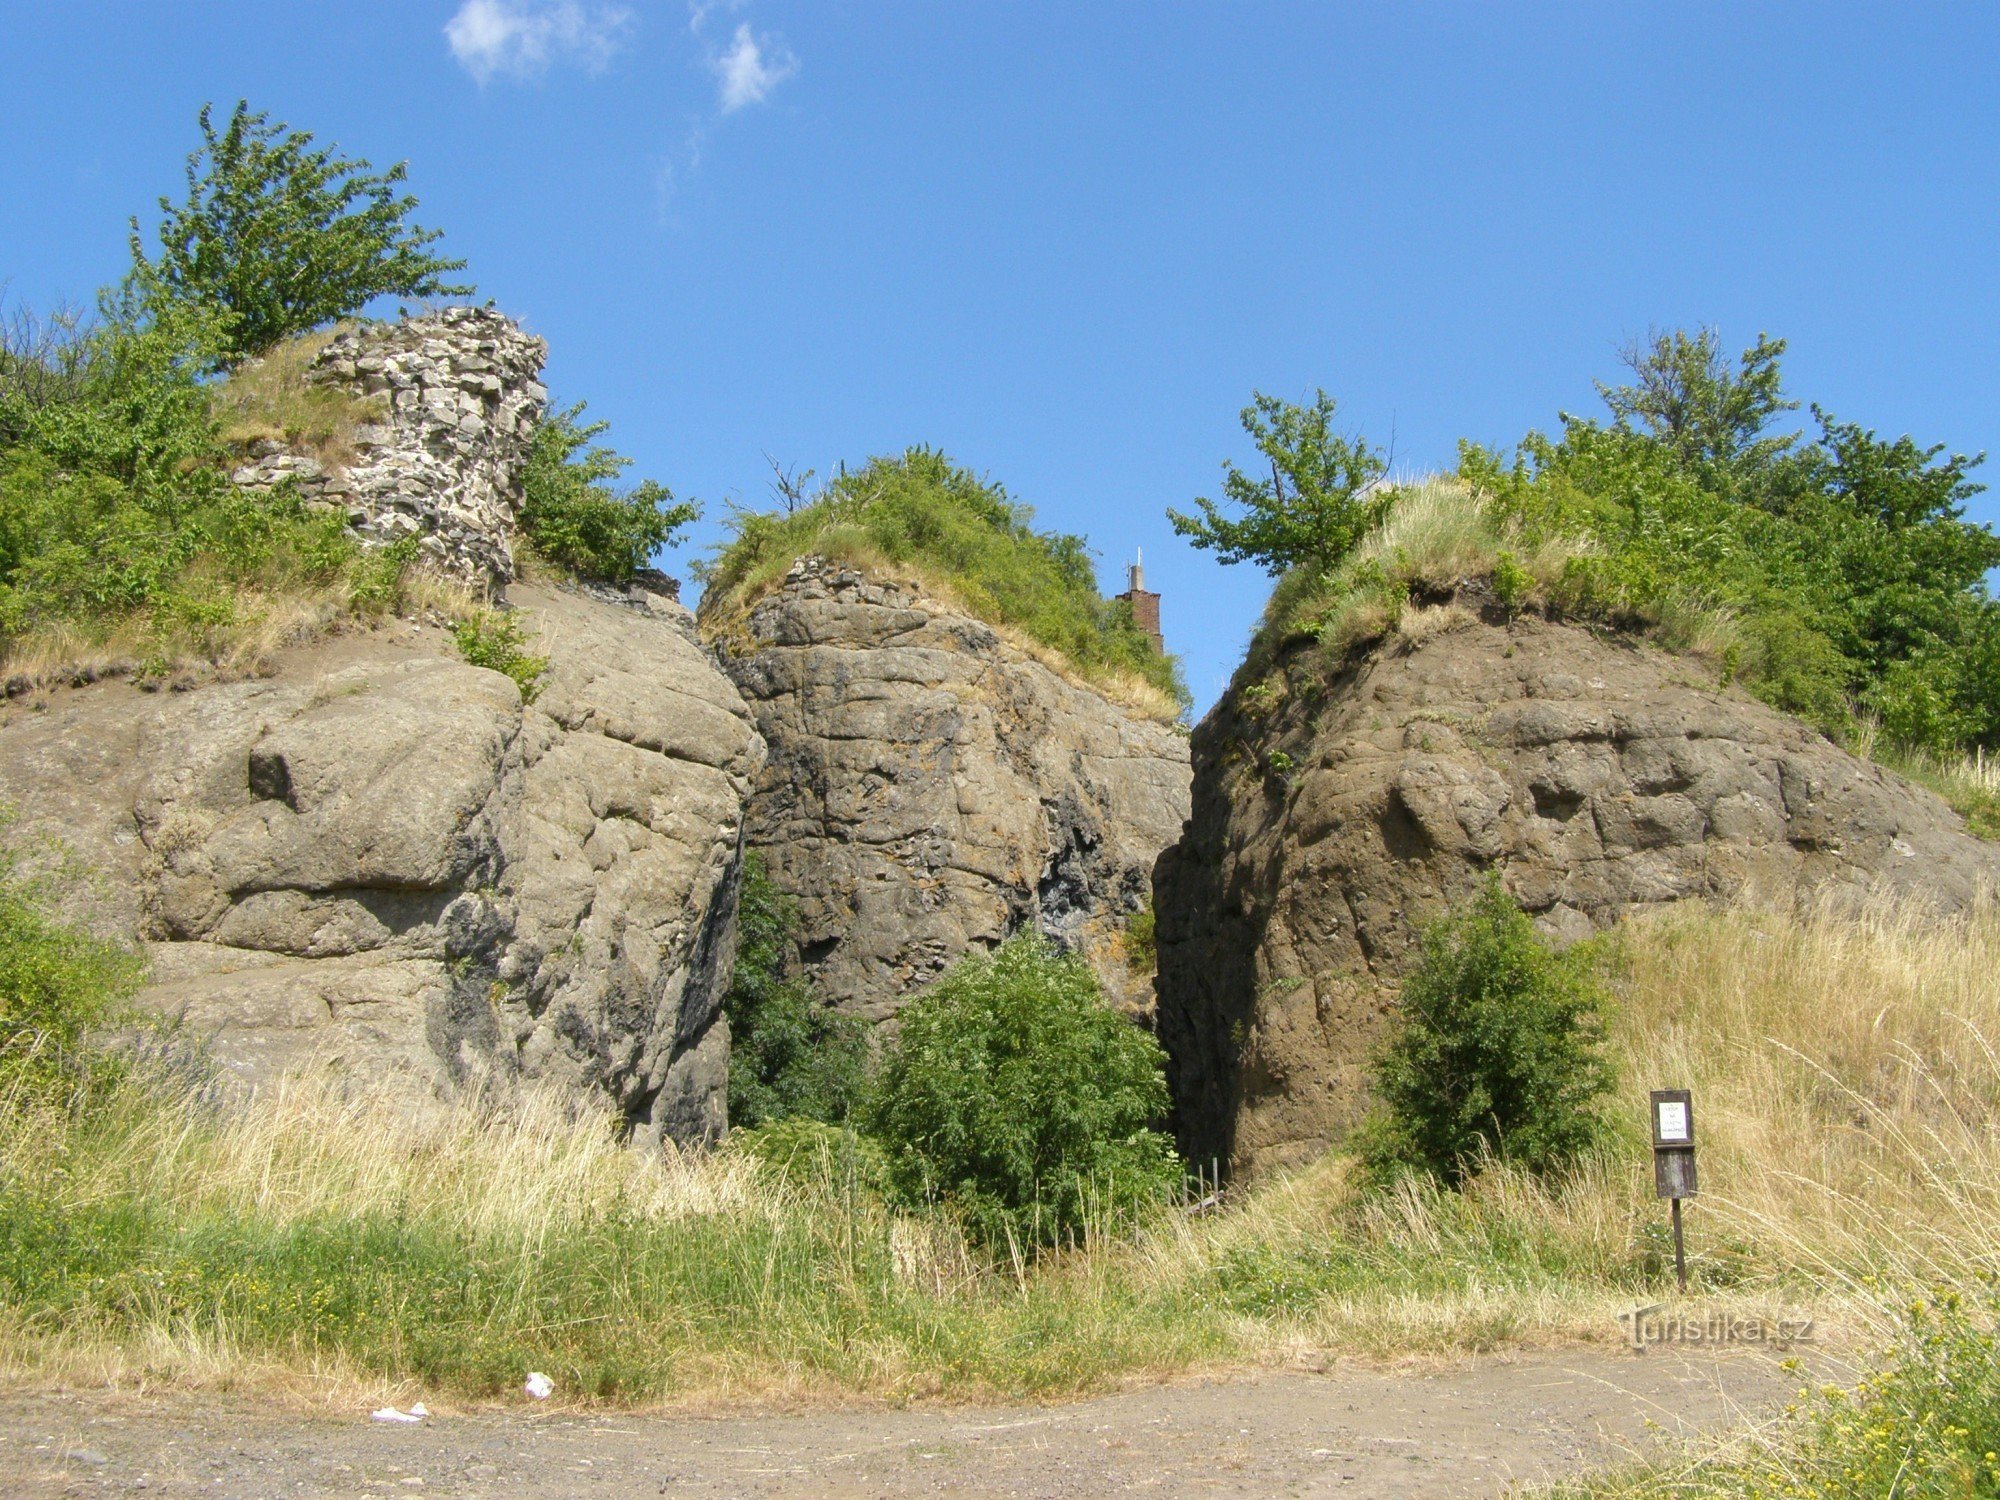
1065,242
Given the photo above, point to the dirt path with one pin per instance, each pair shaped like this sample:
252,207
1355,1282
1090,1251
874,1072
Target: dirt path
1472,1430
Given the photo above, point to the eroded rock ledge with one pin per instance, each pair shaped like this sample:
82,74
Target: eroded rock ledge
1333,819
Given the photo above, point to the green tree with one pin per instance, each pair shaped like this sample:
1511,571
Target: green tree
1313,508
1499,1050
1850,578
789,1056
1016,1097
285,236
1686,397
574,517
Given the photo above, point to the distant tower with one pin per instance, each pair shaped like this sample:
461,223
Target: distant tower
1145,605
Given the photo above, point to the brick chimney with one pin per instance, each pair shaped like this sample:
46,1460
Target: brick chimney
1145,605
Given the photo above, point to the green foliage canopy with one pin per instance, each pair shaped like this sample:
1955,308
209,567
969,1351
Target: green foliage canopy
1844,559
1016,1097
789,1056
1313,508
1498,1051
573,516
281,236
1688,400
114,500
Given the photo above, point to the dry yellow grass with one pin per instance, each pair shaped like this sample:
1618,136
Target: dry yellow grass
1847,1100
270,397
1438,535
262,624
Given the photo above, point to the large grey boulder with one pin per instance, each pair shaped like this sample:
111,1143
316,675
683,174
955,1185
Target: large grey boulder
1335,816
933,788
381,860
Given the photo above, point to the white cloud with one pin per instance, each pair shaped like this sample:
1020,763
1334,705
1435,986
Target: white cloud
747,72
524,38
700,10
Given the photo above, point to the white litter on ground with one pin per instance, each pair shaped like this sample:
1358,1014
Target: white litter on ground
539,1385
416,1413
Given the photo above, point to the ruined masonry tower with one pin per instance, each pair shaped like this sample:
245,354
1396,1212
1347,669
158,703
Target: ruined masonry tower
1145,605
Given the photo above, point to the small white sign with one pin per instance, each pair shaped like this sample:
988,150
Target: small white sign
1673,1120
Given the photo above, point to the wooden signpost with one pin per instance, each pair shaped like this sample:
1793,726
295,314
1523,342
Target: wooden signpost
1673,1161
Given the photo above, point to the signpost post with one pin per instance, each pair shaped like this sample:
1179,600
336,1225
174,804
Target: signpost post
1673,1161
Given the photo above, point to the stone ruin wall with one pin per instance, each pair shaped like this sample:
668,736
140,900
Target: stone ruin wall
460,394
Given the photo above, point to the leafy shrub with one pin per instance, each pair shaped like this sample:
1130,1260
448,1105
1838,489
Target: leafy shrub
1840,565
1016,1098
57,984
921,509
1512,583
489,639
117,520
119,529
1497,1053
573,516
815,1156
789,1056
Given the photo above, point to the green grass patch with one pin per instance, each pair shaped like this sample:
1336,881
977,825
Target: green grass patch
922,513
1924,1425
58,984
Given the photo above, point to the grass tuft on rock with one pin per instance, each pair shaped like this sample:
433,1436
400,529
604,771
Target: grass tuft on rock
921,516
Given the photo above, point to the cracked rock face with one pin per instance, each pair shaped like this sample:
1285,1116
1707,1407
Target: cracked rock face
1599,776
931,790
382,861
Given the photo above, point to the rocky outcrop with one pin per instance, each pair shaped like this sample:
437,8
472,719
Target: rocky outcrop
383,861
1333,818
380,859
459,394
932,789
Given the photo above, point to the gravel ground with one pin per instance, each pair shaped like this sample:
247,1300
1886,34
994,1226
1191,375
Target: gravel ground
1470,1430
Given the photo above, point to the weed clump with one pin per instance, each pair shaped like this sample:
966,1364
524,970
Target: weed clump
487,638
790,1058
58,984
573,516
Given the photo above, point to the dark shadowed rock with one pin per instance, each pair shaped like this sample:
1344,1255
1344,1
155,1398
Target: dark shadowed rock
1334,818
